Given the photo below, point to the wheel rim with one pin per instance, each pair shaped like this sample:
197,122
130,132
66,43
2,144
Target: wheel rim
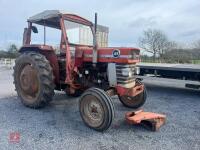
29,82
92,109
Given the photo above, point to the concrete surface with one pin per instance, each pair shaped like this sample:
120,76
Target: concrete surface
59,126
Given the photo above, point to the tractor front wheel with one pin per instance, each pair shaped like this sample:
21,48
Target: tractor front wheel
96,109
136,101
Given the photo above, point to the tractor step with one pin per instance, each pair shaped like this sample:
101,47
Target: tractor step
150,120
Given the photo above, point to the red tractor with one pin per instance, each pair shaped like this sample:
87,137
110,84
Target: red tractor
80,69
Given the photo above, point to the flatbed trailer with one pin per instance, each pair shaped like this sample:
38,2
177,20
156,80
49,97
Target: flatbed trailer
190,72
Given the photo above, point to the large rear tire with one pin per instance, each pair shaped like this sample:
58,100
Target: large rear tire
33,79
96,109
134,102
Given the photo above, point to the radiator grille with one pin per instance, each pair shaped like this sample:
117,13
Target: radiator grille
121,79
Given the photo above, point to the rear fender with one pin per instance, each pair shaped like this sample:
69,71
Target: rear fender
50,55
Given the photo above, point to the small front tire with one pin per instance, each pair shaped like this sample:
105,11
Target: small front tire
136,101
96,109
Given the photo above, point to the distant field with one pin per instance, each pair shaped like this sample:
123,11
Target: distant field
196,61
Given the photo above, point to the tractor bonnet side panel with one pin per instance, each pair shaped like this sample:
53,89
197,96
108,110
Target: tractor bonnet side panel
109,55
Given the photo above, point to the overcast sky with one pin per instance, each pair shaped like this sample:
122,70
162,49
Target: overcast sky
126,19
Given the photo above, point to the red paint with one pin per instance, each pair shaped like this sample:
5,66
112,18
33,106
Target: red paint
80,51
122,91
52,58
14,137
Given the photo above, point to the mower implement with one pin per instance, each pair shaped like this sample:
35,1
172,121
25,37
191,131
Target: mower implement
150,120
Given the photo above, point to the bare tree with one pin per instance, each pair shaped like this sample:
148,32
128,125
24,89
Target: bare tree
197,44
169,46
154,41
162,44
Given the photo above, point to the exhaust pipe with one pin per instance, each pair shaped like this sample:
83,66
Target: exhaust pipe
94,58
95,23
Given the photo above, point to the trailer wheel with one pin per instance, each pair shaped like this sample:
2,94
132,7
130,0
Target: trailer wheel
134,102
96,109
33,79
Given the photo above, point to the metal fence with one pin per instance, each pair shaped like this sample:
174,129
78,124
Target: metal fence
7,63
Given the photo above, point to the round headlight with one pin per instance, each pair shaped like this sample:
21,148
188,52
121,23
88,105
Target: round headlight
126,72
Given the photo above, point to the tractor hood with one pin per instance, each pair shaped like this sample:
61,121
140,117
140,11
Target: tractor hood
110,54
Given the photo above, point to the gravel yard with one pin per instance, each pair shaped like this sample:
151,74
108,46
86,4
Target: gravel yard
59,125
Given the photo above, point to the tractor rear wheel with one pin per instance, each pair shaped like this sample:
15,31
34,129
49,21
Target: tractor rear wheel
136,101
96,109
33,79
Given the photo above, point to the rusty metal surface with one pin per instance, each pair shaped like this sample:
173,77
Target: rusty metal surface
37,46
93,111
53,60
134,91
149,119
111,92
29,82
